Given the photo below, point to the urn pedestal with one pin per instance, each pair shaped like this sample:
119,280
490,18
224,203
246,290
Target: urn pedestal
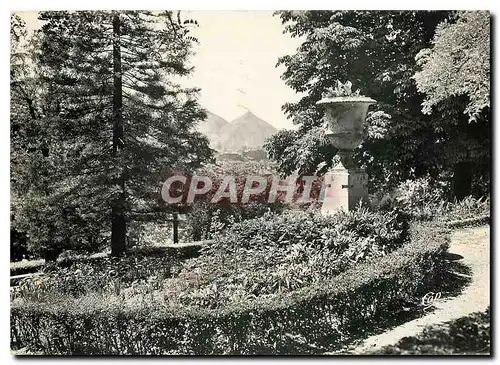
344,189
345,184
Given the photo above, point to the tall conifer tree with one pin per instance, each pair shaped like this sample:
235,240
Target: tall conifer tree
116,119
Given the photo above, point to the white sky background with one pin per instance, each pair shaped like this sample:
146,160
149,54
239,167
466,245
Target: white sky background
235,63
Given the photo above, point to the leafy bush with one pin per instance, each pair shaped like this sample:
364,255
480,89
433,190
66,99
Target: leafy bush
100,275
466,208
18,246
279,253
424,199
200,213
293,227
307,320
200,223
263,256
420,198
52,225
159,234
199,217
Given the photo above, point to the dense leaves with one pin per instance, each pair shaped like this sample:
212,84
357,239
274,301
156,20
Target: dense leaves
281,253
104,128
100,275
425,199
306,321
458,63
376,51
271,255
204,216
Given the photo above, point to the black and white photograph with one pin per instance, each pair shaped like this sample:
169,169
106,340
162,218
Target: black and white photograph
250,182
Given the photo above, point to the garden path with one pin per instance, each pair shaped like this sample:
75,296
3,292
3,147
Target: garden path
474,245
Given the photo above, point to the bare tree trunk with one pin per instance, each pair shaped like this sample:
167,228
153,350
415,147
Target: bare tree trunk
118,226
175,223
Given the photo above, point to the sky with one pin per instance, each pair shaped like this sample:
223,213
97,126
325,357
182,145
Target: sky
235,63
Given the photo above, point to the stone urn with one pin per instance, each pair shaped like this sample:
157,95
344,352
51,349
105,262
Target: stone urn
345,184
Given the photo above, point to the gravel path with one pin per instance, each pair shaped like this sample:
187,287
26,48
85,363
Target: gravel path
474,245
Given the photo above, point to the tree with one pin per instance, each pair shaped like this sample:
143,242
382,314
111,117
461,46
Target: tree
376,51
26,134
458,64
115,120
455,78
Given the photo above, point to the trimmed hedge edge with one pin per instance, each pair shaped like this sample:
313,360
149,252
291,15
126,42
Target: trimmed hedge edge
470,222
181,251
26,267
317,316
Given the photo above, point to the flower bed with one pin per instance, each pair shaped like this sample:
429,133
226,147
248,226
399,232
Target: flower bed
283,323
282,253
105,275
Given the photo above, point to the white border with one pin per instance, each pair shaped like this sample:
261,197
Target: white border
26,5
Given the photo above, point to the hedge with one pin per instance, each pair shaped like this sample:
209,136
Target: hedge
302,321
470,222
26,267
182,252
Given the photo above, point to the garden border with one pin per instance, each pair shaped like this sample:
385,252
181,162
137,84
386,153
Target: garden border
316,316
469,222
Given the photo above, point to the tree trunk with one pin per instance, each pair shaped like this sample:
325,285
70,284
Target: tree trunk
118,226
462,180
51,254
175,223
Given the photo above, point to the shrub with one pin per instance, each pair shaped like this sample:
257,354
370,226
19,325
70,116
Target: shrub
307,320
279,253
466,208
157,234
341,229
263,256
18,246
421,198
199,217
199,214
52,227
99,275
200,222
26,267
424,200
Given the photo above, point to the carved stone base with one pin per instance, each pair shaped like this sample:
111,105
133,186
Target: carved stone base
344,188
